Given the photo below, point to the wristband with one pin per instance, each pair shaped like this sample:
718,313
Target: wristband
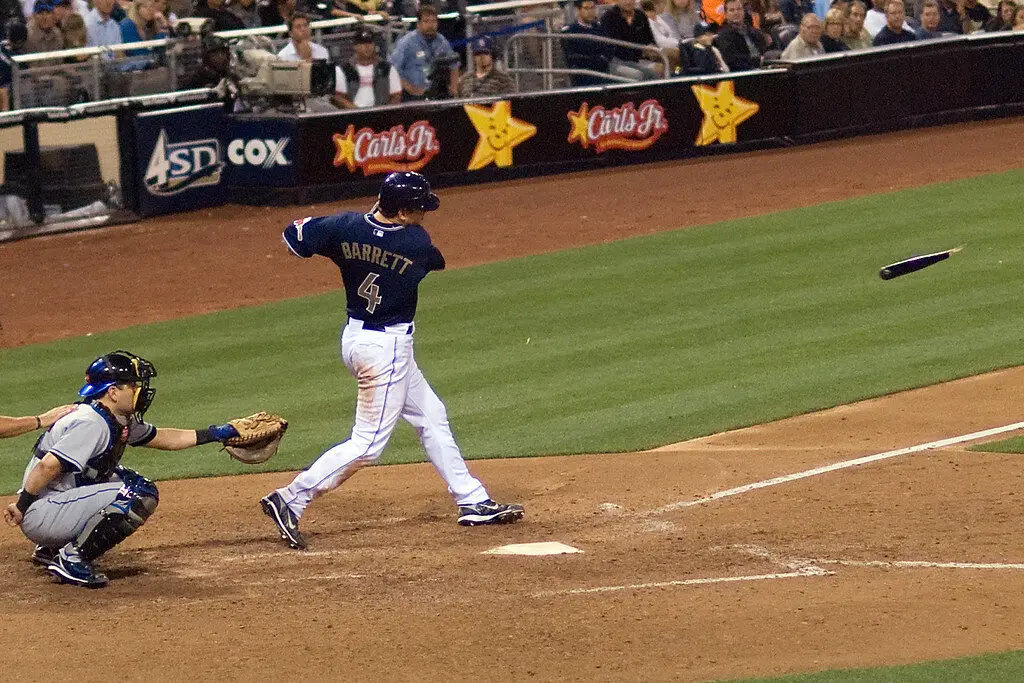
39,423
204,436
25,500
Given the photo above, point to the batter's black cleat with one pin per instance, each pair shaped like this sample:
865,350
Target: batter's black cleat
69,567
489,512
43,556
286,521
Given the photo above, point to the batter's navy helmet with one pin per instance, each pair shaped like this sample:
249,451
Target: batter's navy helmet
406,190
120,367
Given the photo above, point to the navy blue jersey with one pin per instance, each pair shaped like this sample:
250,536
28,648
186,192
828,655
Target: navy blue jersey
381,264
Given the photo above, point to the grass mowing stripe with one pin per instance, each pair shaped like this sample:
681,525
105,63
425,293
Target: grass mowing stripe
632,344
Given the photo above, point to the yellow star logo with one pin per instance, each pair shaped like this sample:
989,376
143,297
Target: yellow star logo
346,148
723,111
580,121
499,133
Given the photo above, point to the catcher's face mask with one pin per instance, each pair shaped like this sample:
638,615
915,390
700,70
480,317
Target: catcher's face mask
144,395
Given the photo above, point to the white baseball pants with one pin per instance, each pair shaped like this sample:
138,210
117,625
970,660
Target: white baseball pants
391,385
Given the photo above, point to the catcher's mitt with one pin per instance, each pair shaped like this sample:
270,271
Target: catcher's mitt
259,436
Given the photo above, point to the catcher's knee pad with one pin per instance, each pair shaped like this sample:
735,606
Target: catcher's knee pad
135,503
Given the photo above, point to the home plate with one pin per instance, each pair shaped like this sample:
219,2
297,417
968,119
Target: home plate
545,548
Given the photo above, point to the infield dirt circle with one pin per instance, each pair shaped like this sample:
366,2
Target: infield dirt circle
849,568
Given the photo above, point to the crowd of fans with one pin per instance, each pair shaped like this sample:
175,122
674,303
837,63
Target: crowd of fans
667,37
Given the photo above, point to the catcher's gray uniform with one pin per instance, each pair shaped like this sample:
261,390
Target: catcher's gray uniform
89,447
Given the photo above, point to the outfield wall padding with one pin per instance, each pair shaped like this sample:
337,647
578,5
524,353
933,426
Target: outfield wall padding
304,158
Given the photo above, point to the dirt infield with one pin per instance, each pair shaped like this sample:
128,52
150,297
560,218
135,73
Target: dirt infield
804,575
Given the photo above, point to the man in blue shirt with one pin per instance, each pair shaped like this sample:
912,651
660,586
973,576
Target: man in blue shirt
426,63
100,27
383,255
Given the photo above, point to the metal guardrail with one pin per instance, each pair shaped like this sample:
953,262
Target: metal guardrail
549,69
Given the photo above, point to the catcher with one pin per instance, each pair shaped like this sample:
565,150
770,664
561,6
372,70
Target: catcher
77,501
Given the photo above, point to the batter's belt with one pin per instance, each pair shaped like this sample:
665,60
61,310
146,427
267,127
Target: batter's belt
397,328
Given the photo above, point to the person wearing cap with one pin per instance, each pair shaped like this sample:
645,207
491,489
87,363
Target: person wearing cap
367,80
700,56
62,9
43,33
483,79
215,65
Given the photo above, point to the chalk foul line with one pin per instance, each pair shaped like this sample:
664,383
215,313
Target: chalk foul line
786,478
803,572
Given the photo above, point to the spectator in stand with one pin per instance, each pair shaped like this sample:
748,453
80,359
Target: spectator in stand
366,81
276,12
75,36
808,43
215,67
975,16
893,32
43,32
63,8
586,54
929,27
1003,18
875,19
835,23
15,34
100,25
663,37
223,20
681,16
1018,19
484,79
795,10
959,16
246,12
741,45
623,22
773,18
425,60
855,35
701,57
301,47
358,8
143,22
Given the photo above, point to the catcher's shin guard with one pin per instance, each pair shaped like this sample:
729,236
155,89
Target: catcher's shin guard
135,502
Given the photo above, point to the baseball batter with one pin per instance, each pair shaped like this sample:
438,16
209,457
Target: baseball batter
16,426
77,501
383,256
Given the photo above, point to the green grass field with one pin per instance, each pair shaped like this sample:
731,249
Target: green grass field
1014,445
610,348
1004,667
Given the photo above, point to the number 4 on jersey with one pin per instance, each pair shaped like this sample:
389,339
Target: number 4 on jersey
370,292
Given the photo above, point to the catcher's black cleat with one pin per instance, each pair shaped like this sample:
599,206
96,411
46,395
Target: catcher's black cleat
286,521
43,556
489,512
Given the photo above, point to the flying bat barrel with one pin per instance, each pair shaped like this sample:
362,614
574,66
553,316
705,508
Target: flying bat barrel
914,263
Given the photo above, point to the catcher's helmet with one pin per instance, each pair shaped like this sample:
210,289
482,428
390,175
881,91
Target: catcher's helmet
406,190
120,367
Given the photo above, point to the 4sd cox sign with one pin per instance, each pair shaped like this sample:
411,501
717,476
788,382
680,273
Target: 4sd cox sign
262,153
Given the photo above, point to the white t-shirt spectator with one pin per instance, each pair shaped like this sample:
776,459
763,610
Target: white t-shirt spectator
289,54
364,96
